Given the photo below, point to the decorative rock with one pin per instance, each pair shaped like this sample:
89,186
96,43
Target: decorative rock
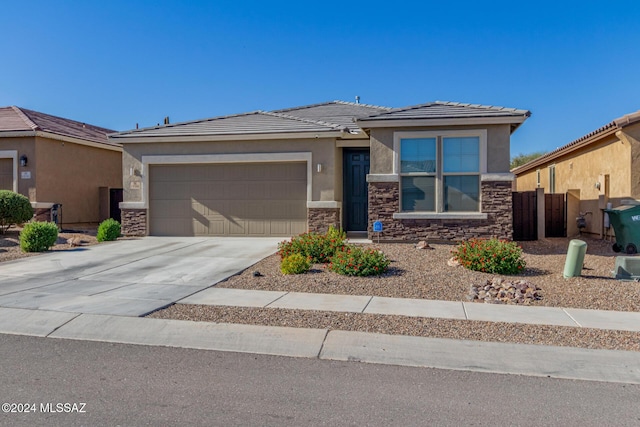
504,291
423,245
75,241
453,262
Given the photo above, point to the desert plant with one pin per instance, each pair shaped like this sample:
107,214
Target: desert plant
490,256
38,236
108,230
319,248
295,264
357,261
14,209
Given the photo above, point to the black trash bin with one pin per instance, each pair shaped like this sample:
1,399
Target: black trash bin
56,213
625,221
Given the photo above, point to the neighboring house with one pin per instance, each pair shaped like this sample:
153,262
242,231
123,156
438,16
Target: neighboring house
433,171
599,168
54,160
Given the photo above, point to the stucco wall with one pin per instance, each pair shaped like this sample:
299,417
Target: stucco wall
581,170
71,174
498,146
323,151
23,146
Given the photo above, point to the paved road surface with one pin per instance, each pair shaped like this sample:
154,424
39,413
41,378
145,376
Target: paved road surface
143,385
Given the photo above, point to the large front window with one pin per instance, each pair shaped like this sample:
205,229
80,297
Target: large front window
440,173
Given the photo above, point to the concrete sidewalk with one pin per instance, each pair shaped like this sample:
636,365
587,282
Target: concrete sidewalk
575,317
523,359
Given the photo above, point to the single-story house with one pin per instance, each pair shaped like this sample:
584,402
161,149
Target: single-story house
433,171
596,169
53,160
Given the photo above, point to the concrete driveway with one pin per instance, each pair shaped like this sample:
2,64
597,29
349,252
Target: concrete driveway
127,277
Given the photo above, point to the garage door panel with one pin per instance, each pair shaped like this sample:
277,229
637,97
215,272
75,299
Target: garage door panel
228,199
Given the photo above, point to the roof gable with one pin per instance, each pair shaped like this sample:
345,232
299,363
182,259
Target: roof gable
447,110
256,122
339,112
16,119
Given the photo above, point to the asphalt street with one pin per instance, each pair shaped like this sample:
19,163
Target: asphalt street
122,384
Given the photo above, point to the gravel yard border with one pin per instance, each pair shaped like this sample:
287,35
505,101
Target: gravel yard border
424,273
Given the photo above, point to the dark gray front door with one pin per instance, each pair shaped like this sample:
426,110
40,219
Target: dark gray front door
356,168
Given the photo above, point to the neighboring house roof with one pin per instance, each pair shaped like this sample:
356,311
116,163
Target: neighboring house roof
603,131
447,112
338,112
256,122
15,119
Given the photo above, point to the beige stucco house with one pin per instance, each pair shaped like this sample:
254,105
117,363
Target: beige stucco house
433,171
599,168
51,160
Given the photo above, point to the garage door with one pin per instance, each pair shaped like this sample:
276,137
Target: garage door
240,199
6,174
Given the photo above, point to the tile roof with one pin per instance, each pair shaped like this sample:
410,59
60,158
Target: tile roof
14,119
256,122
614,125
338,112
447,110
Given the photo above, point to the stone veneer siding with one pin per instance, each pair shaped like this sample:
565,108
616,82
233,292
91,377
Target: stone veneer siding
320,219
496,203
134,222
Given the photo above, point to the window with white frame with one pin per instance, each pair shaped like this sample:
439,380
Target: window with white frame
440,172
552,179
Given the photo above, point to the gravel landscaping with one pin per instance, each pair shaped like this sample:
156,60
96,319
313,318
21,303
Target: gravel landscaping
10,243
425,273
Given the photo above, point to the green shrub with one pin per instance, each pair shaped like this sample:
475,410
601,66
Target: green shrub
14,209
319,248
356,261
38,236
108,230
490,256
295,264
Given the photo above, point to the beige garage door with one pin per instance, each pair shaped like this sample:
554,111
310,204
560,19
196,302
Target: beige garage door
6,174
246,199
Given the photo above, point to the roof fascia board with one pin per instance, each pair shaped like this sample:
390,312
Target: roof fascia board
78,141
561,152
125,139
439,122
17,133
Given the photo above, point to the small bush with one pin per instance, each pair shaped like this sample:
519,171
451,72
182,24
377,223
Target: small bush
319,248
490,256
14,209
295,264
108,230
38,236
356,261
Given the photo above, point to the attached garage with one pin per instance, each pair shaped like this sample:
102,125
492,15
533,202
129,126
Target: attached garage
228,199
6,174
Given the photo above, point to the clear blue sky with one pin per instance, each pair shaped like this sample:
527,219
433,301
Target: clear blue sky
574,64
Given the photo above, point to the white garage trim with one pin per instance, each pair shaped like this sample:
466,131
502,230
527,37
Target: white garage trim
12,154
218,158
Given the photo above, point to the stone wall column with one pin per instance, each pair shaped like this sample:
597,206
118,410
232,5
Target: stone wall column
134,222
319,219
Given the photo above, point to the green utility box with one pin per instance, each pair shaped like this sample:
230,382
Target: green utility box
625,221
627,268
575,258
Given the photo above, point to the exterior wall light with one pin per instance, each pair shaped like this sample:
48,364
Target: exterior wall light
23,160
319,167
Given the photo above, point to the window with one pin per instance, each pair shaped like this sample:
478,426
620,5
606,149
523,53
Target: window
552,179
538,178
440,172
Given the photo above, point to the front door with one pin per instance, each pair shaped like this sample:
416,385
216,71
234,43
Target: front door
356,205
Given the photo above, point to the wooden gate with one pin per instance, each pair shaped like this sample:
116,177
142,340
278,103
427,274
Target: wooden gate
555,220
525,216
